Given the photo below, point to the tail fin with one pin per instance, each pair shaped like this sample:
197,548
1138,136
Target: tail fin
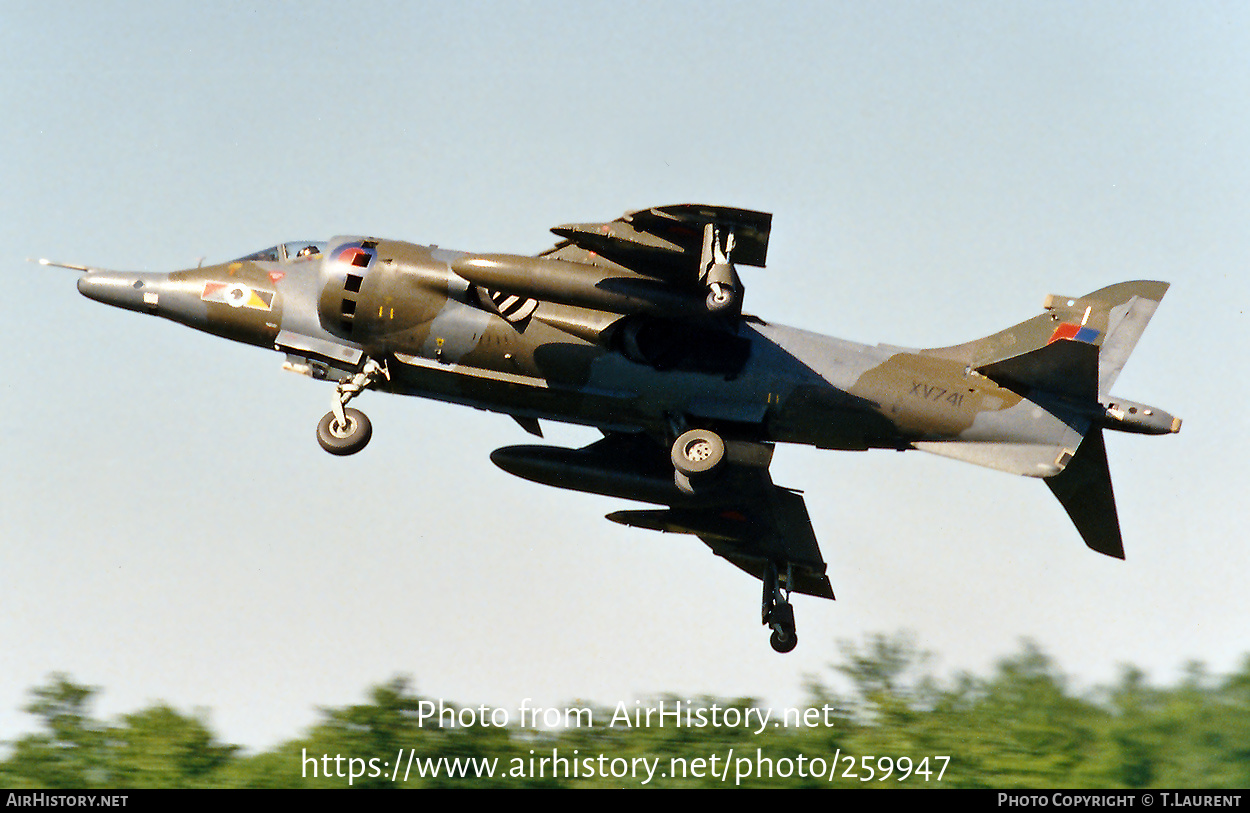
1111,319
1125,325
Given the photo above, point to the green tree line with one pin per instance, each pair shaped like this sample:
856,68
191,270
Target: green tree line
1021,726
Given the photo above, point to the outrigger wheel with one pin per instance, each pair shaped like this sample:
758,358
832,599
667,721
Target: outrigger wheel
347,436
778,612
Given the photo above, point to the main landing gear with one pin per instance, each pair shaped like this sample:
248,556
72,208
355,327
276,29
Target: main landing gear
696,456
346,431
777,611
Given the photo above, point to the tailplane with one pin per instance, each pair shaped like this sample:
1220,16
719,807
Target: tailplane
1066,361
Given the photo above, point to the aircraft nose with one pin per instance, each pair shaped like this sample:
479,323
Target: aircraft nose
202,298
136,292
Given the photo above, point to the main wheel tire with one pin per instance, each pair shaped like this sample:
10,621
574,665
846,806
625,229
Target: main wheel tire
342,439
698,452
784,643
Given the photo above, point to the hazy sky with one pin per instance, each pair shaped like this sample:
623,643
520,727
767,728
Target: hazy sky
171,530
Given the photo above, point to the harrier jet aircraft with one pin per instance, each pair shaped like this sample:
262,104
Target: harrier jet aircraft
636,327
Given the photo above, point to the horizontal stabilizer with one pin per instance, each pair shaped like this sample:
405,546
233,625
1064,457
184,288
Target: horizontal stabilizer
1063,367
1084,489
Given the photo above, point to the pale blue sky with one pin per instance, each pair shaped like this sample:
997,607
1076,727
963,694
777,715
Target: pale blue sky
172,531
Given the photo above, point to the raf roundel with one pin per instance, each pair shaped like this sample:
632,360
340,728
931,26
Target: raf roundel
237,295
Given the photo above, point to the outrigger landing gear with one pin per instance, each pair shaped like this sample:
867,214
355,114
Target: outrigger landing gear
717,272
346,431
777,611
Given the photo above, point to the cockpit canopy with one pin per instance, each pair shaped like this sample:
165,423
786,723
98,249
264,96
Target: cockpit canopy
294,251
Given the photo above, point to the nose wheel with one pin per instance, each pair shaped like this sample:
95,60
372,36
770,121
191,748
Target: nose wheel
346,431
346,436
777,611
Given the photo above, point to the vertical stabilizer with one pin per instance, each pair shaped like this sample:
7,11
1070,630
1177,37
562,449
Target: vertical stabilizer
1125,325
1112,319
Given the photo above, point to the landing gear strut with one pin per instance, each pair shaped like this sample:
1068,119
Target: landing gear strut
777,611
346,431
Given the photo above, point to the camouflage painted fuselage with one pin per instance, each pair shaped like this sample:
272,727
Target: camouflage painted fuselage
573,363
441,338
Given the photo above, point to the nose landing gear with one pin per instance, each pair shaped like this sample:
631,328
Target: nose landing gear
345,431
344,436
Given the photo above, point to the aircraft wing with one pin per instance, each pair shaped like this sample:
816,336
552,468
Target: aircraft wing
668,261
665,242
744,518
750,528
